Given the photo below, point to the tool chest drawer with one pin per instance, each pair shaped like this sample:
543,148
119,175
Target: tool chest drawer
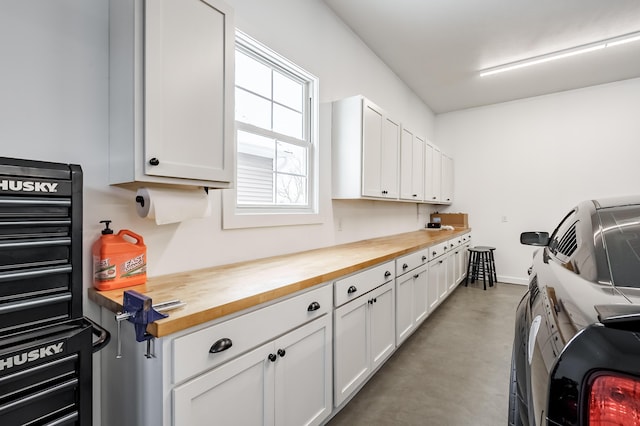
204,349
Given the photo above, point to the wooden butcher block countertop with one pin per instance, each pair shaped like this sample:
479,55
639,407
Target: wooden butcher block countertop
218,291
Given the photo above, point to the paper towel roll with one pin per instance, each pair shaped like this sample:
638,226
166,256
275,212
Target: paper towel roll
166,205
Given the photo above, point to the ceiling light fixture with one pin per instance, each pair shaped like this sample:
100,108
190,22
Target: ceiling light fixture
616,41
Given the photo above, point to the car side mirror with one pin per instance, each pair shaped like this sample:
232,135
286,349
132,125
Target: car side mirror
534,238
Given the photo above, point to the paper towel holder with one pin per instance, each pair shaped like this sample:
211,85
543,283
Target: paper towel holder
140,198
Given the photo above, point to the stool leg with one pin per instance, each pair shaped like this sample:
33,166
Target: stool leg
493,266
484,269
466,279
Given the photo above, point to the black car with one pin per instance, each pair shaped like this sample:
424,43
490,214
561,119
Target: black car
576,350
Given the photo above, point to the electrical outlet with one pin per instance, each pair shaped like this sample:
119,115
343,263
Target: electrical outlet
504,219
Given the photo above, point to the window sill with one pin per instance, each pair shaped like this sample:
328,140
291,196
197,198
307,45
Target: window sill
231,219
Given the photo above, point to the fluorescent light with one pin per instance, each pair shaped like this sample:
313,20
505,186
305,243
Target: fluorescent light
616,41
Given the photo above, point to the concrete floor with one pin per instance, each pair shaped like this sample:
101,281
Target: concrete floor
453,371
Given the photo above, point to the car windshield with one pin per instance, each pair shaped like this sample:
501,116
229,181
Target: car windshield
621,231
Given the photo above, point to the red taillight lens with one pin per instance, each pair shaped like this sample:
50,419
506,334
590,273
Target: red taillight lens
614,400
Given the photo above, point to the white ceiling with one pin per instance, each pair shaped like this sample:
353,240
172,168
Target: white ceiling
438,46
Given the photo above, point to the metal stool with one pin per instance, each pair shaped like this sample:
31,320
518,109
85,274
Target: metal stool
480,263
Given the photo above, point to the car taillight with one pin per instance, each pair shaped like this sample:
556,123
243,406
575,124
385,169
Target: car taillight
614,400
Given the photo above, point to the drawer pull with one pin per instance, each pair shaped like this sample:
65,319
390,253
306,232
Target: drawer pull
387,274
416,276
433,253
282,353
424,258
272,357
352,289
405,266
221,345
154,161
314,306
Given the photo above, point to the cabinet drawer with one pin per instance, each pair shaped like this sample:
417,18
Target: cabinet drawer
191,353
466,238
361,282
438,250
411,261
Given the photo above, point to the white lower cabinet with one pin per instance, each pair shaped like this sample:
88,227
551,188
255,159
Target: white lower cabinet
293,362
364,337
437,285
411,293
269,366
284,382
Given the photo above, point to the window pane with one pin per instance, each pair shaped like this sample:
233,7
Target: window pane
252,109
287,122
291,190
253,75
257,145
255,180
291,159
256,160
287,91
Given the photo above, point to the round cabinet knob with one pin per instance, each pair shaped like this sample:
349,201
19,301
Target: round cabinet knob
281,353
405,266
272,357
424,258
314,306
387,274
352,289
221,345
434,253
154,161
416,276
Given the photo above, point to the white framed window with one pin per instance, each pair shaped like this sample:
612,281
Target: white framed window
276,118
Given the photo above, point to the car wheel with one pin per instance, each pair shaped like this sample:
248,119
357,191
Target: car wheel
514,407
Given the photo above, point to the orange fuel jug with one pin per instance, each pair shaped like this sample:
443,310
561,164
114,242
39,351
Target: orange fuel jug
118,261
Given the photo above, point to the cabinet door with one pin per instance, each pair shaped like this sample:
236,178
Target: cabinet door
447,179
371,150
452,272
404,306
460,265
436,268
351,347
189,53
418,168
406,165
389,164
420,298
443,285
436,174
429,194
239,392
383,319
303,374
411,166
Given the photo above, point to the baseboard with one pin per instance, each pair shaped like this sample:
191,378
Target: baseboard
513,280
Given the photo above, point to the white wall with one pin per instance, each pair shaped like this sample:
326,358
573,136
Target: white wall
532,160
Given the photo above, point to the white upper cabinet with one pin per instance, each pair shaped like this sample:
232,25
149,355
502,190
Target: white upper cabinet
373,156
171,92
365,150
447,179
411,166
433,174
